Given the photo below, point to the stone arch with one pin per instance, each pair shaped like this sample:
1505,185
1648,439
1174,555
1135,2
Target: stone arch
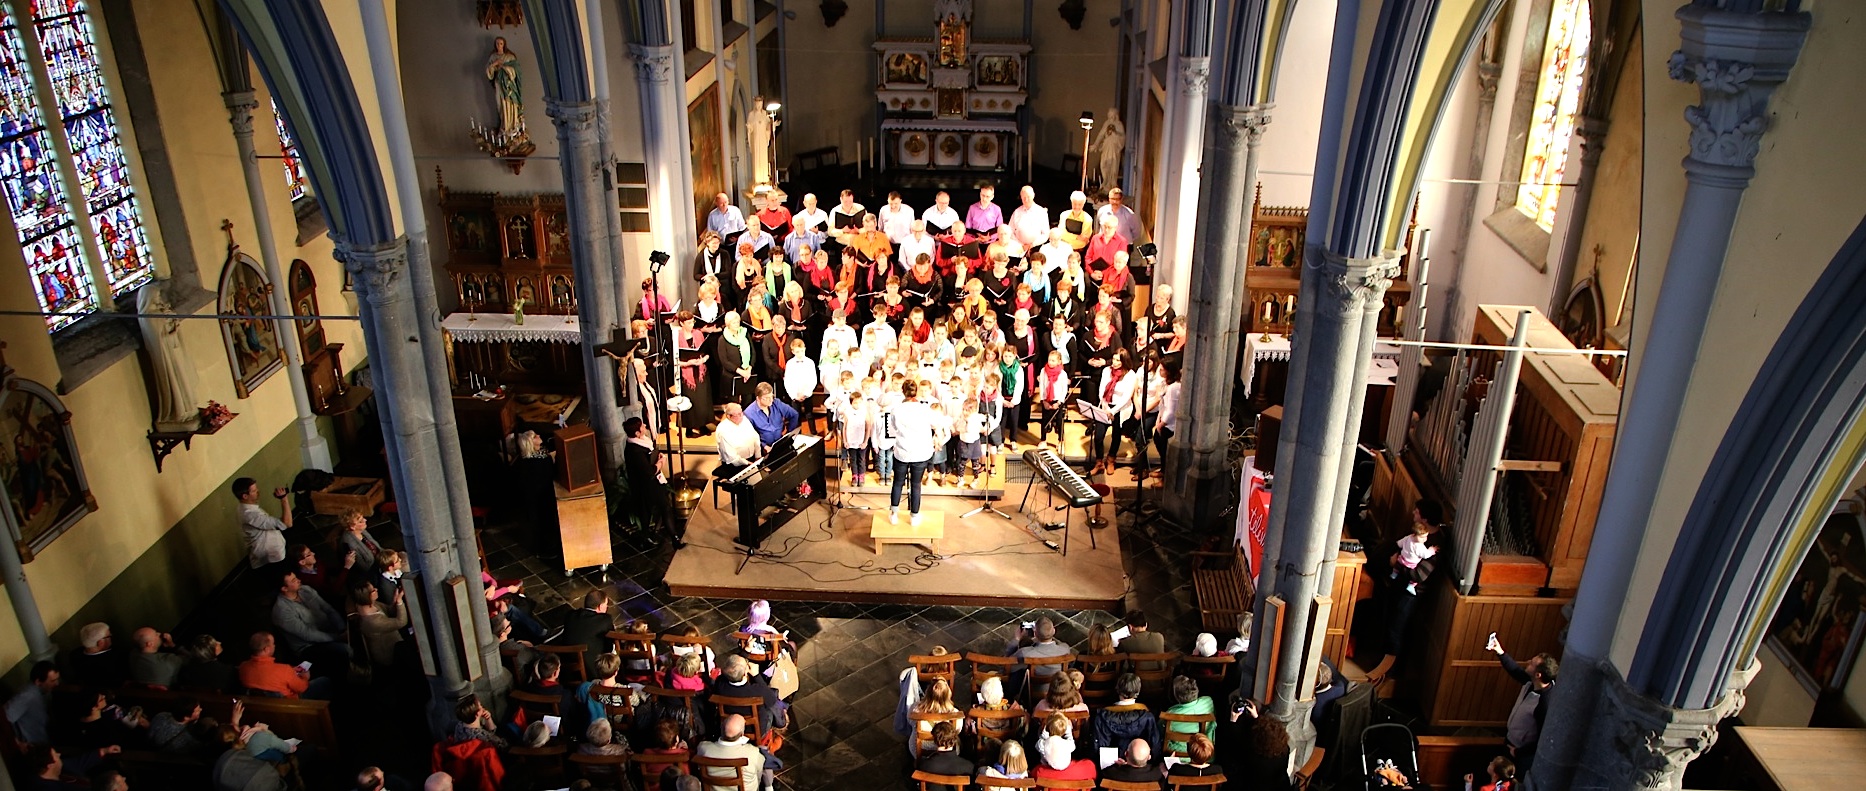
1788,454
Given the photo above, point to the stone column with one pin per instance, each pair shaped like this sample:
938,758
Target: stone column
1593,139
1736,60
1198,465
667,155
312,449
589,193
1180,160
25,605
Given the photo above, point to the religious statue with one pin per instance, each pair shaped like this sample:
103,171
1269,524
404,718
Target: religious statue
1109,146
502,71
758,139
954,18
175,408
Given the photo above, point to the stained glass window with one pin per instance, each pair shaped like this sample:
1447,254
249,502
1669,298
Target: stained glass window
29,173
70,52
1557,100
288,149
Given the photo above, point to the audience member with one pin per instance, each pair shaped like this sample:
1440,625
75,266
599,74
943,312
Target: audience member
390,565
177,731
204,671
239,770
733,744
937,700
1100,641
521,650
1501,772
1241,643
475,722
1329,687
589,626
312,627
1135,765
536,735
381,631
84,720
1059,761
991,697
685,673
1198,763
1011,765
29,712
1138,639
439,781
667,739
331,583
1063,695
263,675
357,540
1205,644
264,533
600,739
1127,719
1188,700
1263,763
43,769
1045,647
945,759
1531,707
94,663
736,680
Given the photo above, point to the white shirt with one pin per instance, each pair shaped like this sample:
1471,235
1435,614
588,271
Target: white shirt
1169,407
738,442
878,437
1032,225
1055,257
913,246
809,219
877,338
800,378
843,334
1122,404
265,535
854,425
913,426
896,223
940,220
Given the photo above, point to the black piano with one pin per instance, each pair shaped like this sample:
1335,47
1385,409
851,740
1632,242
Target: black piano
1061,480
772,484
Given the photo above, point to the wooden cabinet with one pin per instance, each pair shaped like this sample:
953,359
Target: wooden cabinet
1350,587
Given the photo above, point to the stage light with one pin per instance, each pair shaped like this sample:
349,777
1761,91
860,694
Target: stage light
659,257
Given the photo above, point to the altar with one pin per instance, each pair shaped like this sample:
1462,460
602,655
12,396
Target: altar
950,102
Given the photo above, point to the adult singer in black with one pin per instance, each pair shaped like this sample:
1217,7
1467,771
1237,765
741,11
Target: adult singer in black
647,481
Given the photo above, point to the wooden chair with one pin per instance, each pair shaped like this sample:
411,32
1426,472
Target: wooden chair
924,736
929,781
1098,674
1128,785
1306,773
726,705
621,714
1054,665
572,657
1077,785
704,645
635,649
1014,721
596,768
1210,672
651,765
1208,781
1078,723
687,697
534,703
537,763
1004,782
986,666
1155,672
1174,742
510,657
712,772
931,667
747,640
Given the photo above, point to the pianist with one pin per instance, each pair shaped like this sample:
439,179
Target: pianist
772,418
738,442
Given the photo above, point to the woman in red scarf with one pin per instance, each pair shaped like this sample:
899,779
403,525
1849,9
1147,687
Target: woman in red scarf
694,382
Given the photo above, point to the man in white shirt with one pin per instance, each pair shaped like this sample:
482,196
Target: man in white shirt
914,427
265,535
1056,254
896,218
733,744
726,220
808,228
738,443
917,243
940,216
1030,222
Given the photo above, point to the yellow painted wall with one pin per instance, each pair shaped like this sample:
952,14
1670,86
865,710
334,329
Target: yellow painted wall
111,412
1613,213
1801,206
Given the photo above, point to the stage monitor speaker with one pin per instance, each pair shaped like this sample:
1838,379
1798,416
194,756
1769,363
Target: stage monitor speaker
1269,428
577,469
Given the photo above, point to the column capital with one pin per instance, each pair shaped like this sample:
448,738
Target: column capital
577,119
1651,742
374,269
1194,75
1736,60
653,62
1357,282
240,108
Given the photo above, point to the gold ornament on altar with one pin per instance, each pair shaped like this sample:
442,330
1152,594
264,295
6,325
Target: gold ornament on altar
986,145
951,146
915,145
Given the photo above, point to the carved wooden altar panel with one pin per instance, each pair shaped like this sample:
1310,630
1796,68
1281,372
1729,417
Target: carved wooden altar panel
501,248
1273,277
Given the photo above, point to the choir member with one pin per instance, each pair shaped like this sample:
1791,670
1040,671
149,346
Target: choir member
773,217
777,274
1030,222
711,261
1117,284
726,220
1127,223
892,304
773,350
999,284
1114,393
695,384
809,227
799,313
732,290
1098,346
896,219
761,242
1107,241
940,217
984,216
922,287
956,241
1077,223
844,217
737,361
1052,390
918,243
1159,318
878,335
652,305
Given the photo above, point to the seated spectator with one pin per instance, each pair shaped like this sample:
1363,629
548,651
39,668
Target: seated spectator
356,539
1060,763
30,711
600,739
1138,639
543,675
1045,647
733,744
637,670
586,704
1127,719
525,626
685,673
472,763
944,758
84,720
312,627
710,663
264,676
259,741
991,696
330,582
1056,728
1502,774
239,770
522,651
589,626
390,565
1187,700
1241,643
736,681
475,723
152,664
1329,688
1205,645
108,780
536,735
937,700
382,632
667,739
1011,765
1100,641
203,671
44,769
1198,761
181,730
1135,766
1063,695
94,664
758,622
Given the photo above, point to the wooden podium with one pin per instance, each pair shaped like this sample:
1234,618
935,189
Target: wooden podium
583,528
932,528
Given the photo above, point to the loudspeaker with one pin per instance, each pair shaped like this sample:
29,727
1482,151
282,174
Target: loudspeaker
1269,428
576,458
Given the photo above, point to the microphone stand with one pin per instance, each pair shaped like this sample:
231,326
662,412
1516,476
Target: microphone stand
991,466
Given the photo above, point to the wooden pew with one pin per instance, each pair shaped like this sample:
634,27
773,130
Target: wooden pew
308,720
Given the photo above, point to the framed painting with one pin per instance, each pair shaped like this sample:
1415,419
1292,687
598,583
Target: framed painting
709,166
252,342
1003,72
1817,629
904,70
46,492
304,303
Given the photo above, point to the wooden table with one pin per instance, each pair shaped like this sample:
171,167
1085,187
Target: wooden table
1814,759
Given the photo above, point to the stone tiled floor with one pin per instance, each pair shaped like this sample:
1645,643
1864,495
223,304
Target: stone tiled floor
850,655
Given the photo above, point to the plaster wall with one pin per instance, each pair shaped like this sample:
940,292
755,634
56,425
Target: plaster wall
1775,698
1289,142
139,508
1800,207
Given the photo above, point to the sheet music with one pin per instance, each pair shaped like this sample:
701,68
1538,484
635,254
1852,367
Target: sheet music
1094,412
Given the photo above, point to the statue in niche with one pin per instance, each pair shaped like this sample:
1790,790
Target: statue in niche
502,71
954,19
175,408
1109,145
758,140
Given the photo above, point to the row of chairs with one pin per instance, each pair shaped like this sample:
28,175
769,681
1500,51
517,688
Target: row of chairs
650,648
1013,722
553,762
1099,670
929,781
723,705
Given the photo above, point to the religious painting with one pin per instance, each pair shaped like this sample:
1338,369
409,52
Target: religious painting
1276,244
904,70
252,341
1816,630
999,71
556,236
466,231
46,492
304,303
563,296
709,167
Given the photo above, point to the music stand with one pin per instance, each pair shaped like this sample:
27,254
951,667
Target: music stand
986,503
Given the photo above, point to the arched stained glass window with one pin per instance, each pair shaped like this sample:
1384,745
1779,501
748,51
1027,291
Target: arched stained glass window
288,150
1557,101
61,50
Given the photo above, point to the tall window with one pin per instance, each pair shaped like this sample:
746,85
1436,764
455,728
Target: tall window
288,149
61,50
1557,100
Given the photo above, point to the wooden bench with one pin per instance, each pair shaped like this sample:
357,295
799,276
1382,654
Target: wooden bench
1221,588
290,718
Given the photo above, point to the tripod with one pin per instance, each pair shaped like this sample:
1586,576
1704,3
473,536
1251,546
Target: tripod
991,465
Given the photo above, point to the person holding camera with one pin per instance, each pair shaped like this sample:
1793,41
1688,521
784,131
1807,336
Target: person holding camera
1524,725
265,534
1257,752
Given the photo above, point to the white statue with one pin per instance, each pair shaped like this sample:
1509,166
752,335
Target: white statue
758,139
1109,145
175,408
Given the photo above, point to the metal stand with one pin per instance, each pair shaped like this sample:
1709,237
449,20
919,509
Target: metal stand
987,505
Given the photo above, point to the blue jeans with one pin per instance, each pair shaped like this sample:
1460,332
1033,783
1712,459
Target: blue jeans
884,463
856,459
907,473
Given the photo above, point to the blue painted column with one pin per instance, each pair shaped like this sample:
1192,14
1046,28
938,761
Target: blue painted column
589,193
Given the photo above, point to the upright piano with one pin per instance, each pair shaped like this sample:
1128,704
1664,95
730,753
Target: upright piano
773,484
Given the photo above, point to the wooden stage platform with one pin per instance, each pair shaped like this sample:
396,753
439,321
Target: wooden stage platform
823,555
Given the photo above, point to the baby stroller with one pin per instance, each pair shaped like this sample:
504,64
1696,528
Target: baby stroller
1390,757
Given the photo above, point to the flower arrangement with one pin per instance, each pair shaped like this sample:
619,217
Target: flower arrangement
214,415
803,489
